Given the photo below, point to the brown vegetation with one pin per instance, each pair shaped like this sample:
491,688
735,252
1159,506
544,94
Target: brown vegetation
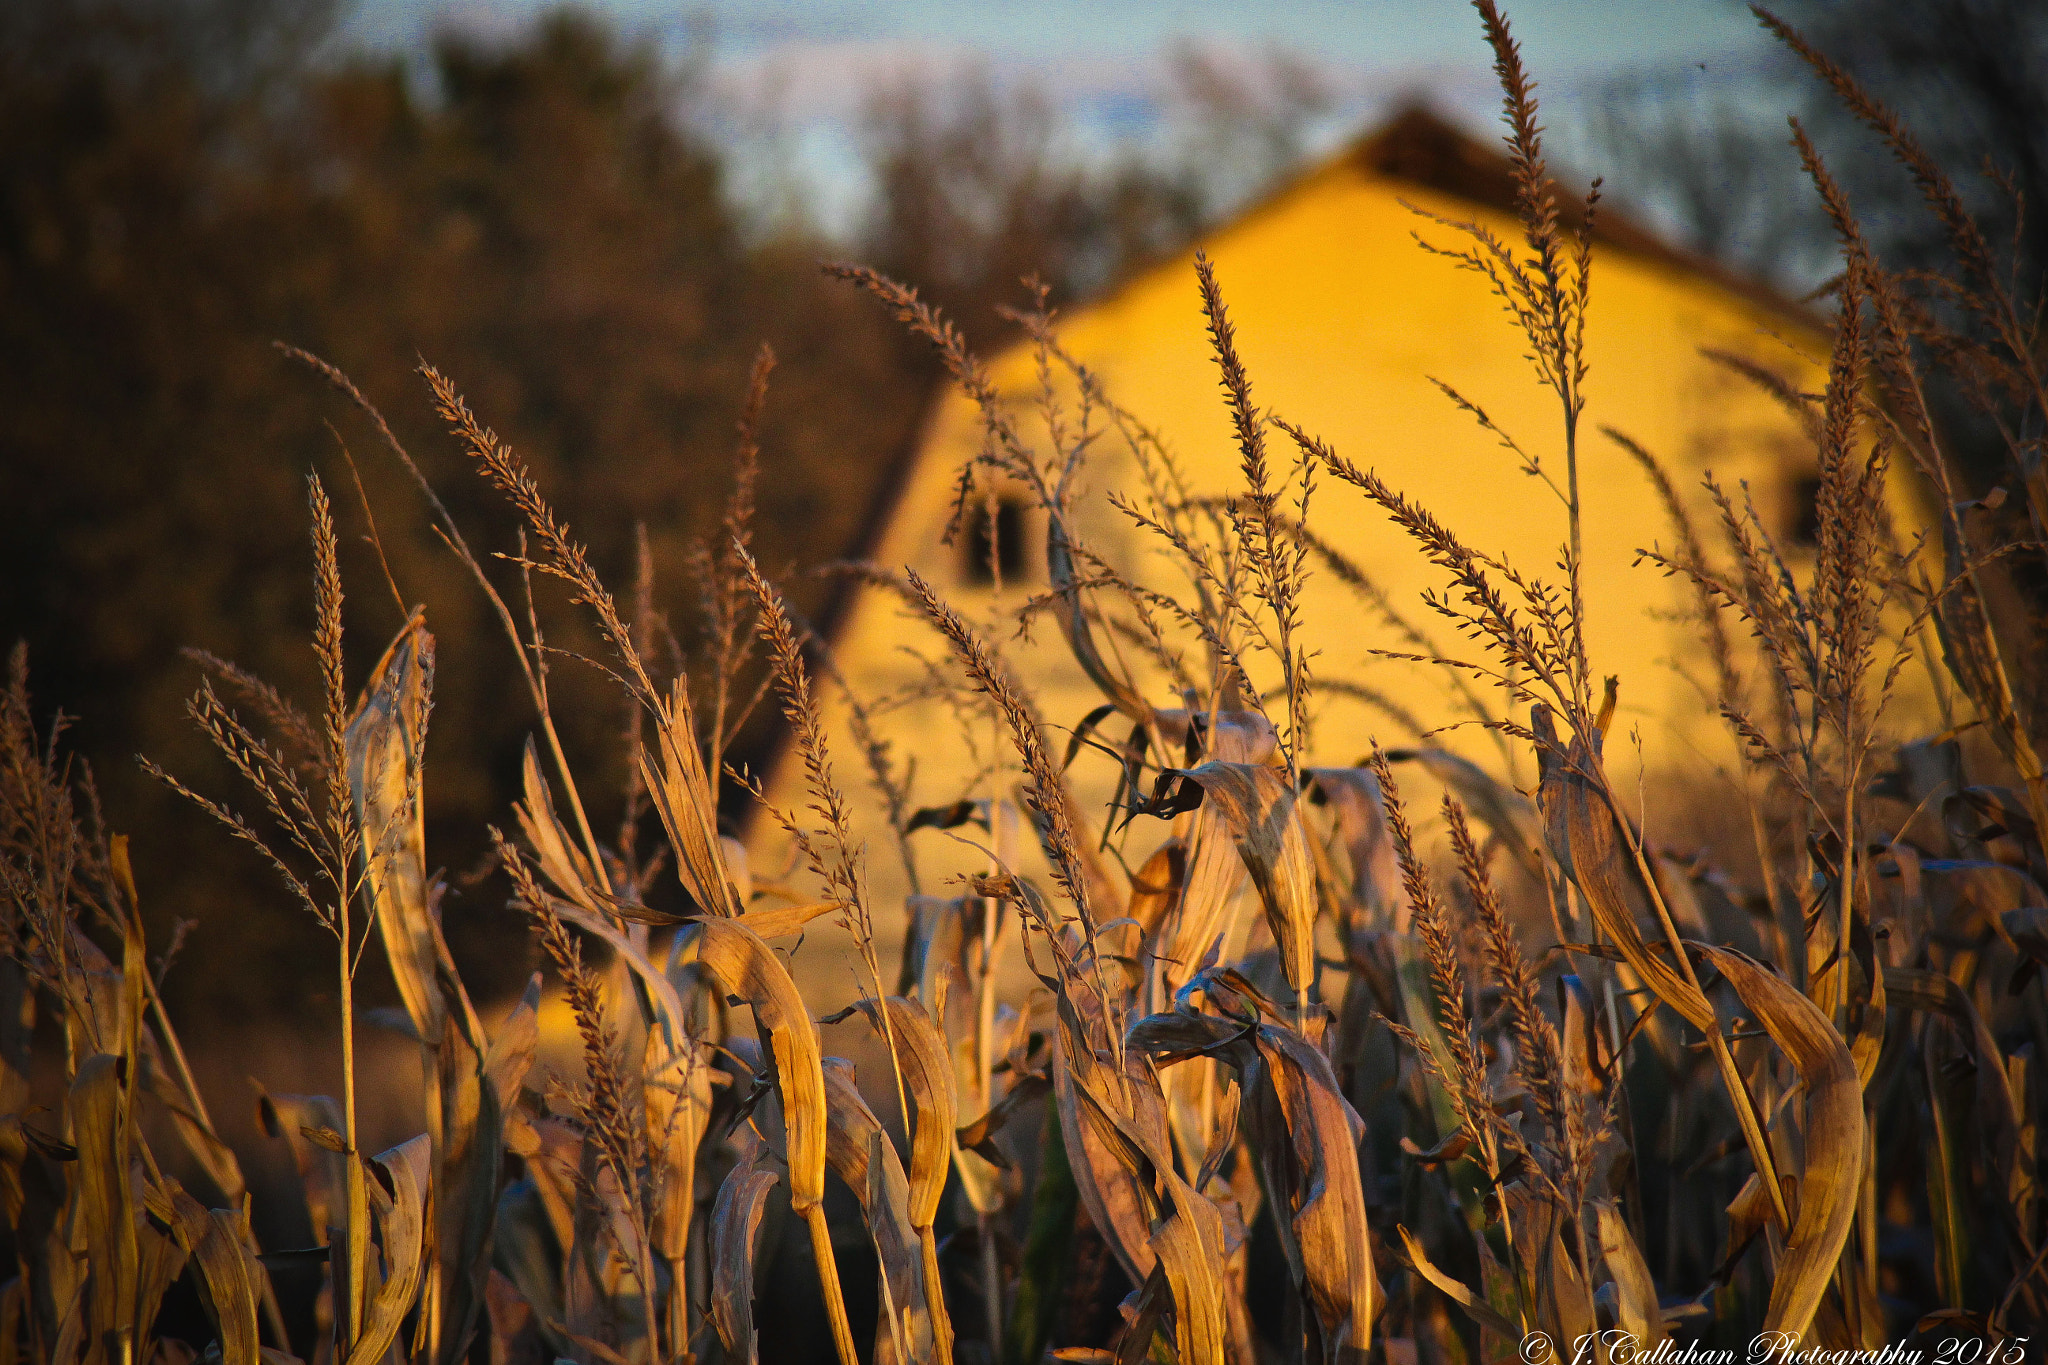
1387,1116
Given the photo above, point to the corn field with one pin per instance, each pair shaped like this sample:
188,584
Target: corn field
1547,1089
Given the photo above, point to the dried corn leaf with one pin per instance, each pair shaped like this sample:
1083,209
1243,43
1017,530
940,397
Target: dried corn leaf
1184,1034
678,1106
1200,919
1475,1307
780,921
1143,1312
103,1199
1072,616
1548,1244
213,1156
735,1246
687,800
230,1276
927,1071
72,1327
1419,1015
669,1016
1354,794
1674,883
1749,1213
146,1075
863,1157
1092,1101
1306,1137
561,861
1261,812
1226,736
97,991
739,870
1108,1190
1870,1011
1635,1293
1181,1229
384,741
747,967
1188,1238
1588,1047
553,1152
511,1051
401,1224
466,1125
1968,899
933,944
1582,831
1831,1181
1158,884
527,1250
162,1261
979,1136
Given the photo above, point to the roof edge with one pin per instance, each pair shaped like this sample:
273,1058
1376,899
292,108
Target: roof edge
1422,147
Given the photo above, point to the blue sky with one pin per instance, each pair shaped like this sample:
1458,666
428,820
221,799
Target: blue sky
788,77
1568,37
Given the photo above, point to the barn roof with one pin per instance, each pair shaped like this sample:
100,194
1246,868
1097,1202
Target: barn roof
1418,146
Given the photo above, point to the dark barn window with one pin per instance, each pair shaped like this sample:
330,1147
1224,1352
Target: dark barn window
1803,514
1009,528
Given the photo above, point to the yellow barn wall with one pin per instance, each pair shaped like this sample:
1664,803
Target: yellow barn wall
1341,320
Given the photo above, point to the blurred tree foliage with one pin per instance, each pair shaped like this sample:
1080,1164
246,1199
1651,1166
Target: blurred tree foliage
977,184
1713,159
1710,146
183,182
1970,78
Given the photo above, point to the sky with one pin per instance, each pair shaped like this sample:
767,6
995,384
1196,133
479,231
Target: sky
791,75
1563,36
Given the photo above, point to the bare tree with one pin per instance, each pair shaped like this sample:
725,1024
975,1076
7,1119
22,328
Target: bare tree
979,182
1711,160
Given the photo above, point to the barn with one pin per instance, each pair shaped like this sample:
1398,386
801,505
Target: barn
1349,327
